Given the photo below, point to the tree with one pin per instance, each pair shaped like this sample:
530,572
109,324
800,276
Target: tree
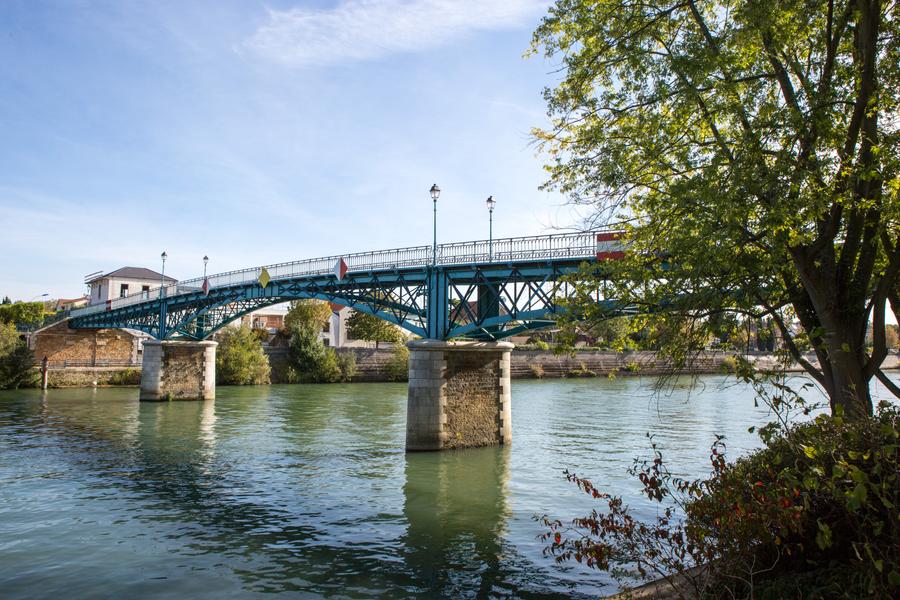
16,358
22,313
891,337
240,359
312,314
313,361
749,150
363,326
6,300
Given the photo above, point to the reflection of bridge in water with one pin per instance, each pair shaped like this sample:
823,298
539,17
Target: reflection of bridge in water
483,291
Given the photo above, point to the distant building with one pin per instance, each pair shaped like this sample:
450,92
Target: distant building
69,303
123,283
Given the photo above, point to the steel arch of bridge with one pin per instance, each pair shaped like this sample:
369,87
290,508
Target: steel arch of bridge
486,298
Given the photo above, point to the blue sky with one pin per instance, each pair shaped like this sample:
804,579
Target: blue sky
258,132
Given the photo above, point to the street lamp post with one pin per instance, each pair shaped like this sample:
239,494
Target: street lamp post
162,277
205,260
435,194
490,202
44,295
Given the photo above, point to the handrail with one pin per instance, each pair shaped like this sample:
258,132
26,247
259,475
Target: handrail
565,245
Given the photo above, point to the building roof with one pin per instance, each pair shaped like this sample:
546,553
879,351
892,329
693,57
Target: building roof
134,273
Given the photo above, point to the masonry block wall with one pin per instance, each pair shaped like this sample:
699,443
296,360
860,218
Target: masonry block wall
178,371
459,395
84,346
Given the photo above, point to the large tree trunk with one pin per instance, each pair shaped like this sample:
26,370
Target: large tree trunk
850,386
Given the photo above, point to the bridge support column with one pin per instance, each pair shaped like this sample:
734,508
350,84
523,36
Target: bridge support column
459,395
178,370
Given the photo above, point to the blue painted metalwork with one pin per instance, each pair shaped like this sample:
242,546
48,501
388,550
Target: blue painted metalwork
482,290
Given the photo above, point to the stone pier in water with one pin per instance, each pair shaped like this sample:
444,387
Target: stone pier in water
178,370
459,395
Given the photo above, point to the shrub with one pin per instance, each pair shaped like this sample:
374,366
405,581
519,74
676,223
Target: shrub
821,497
632,366
314,362
126,377
261,334
347,364
16,359
729,364
398,365
536,370
542,345
240,359
582,371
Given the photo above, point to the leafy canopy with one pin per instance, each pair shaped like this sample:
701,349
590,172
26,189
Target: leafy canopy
240,359
749,149
363,326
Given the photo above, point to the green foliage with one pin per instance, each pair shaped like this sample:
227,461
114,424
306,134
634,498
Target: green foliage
892,336
821,497
582,371
22,313
537,371
750,153
541,345
6,300
125,377
398,365
240,359
347,364
261,334
16,359
363,326
313,361
309,314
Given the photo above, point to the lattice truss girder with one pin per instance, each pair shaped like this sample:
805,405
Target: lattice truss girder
485,301
395,296
492,303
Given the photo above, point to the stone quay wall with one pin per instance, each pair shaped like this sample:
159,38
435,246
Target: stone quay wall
85,347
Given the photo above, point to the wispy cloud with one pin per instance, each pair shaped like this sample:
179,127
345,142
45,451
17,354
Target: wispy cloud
358,30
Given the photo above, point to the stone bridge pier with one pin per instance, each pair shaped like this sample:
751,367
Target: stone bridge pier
173,370
459,395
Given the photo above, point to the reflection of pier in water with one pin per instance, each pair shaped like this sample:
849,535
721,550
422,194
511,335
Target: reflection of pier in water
455,504
202,500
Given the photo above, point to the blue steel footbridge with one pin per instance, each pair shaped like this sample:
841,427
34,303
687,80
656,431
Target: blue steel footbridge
487,290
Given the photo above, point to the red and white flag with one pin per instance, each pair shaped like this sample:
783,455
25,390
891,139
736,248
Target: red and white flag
205,287
340,269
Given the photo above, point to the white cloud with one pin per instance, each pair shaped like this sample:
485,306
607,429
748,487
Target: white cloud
358,30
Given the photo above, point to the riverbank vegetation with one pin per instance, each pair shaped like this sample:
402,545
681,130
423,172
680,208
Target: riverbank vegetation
750,153
814,514
16,359
310,361
240,359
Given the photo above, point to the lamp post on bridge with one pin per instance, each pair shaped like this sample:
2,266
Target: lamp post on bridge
162,277
435,192
205,260
490,202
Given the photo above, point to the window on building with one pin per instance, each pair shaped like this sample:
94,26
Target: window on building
145,291
123,290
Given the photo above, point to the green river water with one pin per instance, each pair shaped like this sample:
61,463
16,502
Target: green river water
306,490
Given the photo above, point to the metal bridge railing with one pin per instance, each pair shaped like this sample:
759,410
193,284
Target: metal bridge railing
554,246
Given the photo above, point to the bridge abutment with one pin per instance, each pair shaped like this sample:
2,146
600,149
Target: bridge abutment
173,370
459,395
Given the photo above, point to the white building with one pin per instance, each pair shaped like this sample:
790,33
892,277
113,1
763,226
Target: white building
122,283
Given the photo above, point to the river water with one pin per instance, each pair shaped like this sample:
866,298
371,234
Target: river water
307,491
